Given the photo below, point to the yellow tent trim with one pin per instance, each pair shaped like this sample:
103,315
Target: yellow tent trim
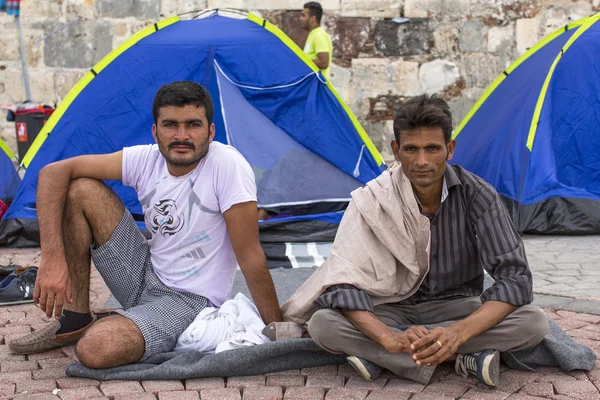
298,51
512,67
6,149
538,107
83,82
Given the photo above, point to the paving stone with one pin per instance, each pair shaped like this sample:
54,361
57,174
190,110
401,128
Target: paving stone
593,375
7,389
49,373
323,370
80,393
13,377
7,355
447,388
75,383
55,362
571,323
286,372
33,386
579,375
479,393
555,377
327,382
592,319
578,389
357,382
593,328
347,394
220,394
404,385
512,380
69,351
113,388
56,353
246,381
392,394
263,393
137,396
179,395
304,393
16,366
204,383
37,396
585,334
285,380
162,385
347,370
538,389
520,396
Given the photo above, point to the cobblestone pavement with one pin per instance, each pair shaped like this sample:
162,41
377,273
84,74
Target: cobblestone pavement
42,376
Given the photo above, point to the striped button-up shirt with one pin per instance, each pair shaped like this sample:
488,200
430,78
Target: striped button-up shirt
470,230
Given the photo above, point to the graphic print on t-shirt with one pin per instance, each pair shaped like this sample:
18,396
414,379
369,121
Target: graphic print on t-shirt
164,218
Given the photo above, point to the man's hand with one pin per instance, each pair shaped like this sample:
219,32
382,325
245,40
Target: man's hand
399,342
436,347
52,287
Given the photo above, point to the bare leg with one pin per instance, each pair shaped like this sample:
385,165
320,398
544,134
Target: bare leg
92,212
112,341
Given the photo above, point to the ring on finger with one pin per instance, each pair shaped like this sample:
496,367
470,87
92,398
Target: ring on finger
440,343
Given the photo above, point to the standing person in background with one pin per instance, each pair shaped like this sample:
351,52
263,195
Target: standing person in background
318,45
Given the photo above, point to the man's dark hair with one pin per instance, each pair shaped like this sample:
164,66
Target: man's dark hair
423,111
314,8
180,94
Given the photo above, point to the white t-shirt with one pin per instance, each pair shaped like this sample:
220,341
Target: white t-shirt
190,246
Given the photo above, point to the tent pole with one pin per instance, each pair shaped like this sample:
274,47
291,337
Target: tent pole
23,63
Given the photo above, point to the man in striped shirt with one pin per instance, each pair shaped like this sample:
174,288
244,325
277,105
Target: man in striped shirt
470,228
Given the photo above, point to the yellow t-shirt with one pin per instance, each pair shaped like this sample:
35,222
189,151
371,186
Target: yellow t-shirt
318,41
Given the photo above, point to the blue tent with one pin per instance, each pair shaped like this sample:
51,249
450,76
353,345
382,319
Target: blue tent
535,133
307,149
9,179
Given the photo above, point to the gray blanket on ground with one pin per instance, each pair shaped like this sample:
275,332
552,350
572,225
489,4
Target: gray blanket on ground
556,350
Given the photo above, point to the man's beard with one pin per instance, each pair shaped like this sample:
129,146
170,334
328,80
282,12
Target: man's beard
196,156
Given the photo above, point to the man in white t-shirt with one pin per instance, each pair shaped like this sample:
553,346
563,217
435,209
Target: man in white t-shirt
199,204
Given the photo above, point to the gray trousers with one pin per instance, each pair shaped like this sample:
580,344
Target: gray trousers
523,328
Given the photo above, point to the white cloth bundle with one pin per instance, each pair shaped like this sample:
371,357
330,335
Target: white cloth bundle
236,324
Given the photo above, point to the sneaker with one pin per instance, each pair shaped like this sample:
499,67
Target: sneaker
45,339
366,369
17,288
6,270
484,365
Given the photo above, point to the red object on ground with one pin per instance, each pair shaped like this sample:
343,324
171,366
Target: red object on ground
3,208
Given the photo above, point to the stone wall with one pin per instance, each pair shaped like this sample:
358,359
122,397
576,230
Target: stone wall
452,47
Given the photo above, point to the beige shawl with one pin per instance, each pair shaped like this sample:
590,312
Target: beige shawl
381,247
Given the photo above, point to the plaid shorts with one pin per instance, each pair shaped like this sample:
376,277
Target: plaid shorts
160,312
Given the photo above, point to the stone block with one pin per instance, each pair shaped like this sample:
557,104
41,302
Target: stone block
75,383
324,381
9,45
445,38
350,37
372,9
449,388
479,70
137,396
356,382
49,373
11,86
7,389
528,31
204,383
472,37
246,381
36,396
404,385
37,10
16,366
304,393
160,385
320,371
434,76
36,386
577,389
436,8
81,393
512,381
65,80
14,377
370,76
389,395
481,393
408,39
113,388
175,7
347,394
263,393
56,353
80,45
55,362
500,38
79,9
141,9
285,380
405,77
220,394
270,4
179,395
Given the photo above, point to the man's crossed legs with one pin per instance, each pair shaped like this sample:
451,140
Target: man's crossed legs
97,226
523,328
